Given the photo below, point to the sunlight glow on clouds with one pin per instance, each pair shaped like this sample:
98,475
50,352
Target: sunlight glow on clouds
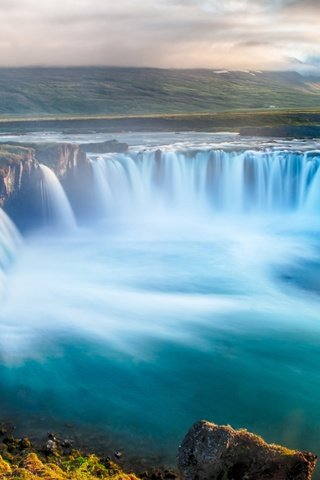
255,34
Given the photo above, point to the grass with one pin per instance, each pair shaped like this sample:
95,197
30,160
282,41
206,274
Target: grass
76,467
58,459
19,460
112,99
112,91
309,119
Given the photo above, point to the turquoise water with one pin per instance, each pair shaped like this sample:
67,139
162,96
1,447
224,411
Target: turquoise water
135,330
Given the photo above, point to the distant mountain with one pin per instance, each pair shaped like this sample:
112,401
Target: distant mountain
128,91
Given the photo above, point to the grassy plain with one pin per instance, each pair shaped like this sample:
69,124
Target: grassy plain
114,99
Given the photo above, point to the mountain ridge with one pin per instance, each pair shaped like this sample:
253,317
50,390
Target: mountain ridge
46,91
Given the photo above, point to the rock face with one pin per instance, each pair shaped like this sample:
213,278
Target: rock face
217,452
66,157
73,168
17,165
21,179
20,184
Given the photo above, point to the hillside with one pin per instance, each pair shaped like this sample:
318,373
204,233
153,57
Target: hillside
132,91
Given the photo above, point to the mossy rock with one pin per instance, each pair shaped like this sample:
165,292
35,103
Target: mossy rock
222,453
5,468
32,466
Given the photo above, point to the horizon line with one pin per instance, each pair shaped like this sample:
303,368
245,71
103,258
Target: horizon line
220,70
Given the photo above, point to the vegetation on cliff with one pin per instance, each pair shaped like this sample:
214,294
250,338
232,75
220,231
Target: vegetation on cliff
12,154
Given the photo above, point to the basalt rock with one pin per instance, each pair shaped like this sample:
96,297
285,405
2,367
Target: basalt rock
217,452
65,157
72,165
20,184
104,147
21,178
17,165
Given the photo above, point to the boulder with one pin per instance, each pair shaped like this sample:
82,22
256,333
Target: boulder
217,452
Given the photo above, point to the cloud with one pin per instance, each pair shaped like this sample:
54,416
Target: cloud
308,65
301,4
167,33
313,60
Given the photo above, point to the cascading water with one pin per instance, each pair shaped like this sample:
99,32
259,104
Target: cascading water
312,198
226,181
57,209
9,241
106,326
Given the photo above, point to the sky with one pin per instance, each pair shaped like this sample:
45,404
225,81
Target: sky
218,34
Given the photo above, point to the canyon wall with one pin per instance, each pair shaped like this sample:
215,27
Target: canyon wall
21,180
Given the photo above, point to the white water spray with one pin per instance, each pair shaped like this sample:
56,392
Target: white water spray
209,180
56,204
9,241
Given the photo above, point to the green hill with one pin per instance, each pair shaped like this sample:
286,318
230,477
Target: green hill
91,91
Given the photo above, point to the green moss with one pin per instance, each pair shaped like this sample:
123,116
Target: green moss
5,468
32,465
261,442
283,450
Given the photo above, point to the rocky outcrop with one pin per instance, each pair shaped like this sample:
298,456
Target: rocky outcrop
61,157
20,184
20,459
20,177
104,147
75,173
17,165
217,452
65,157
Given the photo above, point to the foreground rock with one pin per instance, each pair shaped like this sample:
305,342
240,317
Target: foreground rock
217,452
57,460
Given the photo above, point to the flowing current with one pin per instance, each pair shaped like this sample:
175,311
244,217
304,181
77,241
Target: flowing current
56,206
9,243
195,295
216,180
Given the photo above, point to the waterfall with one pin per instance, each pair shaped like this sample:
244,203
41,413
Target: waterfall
208,180
9,242
313,192
57,209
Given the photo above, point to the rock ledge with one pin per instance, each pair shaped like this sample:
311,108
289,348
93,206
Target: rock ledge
217,452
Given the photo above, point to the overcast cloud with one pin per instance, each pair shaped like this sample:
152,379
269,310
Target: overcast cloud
232,34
